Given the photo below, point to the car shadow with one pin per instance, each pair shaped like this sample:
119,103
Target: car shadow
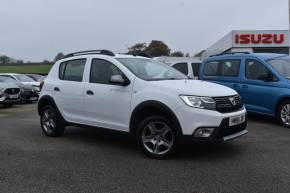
126,144
263,119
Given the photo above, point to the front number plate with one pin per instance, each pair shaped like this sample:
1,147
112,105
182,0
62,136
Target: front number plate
13,96
237,120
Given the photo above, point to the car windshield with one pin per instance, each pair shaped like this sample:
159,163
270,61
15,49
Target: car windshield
7,79
151,70
282,65
24,78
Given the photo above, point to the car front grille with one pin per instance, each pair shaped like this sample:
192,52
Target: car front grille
228,104
12,91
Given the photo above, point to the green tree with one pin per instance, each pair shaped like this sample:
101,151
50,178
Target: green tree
157,48
199,54
177,54
137,48
59,56
4,59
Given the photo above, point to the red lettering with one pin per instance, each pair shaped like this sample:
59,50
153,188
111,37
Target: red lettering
267,39
278,41
245,39
259,38
256,39
237,37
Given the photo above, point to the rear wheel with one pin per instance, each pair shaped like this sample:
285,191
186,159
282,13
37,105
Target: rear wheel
8,104
157,137
283,113
51,122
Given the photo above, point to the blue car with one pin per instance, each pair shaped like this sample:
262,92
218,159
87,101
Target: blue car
263,80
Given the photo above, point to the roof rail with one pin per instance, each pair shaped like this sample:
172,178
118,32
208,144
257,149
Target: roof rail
103,52
230,53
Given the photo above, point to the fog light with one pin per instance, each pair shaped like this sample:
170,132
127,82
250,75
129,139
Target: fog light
203,132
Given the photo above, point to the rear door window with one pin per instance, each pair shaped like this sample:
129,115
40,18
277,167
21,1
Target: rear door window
181,67
72,70
230,68
222,68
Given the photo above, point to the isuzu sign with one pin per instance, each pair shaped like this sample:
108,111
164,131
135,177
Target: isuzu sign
259,38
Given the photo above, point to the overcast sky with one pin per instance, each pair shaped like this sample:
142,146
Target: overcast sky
37,29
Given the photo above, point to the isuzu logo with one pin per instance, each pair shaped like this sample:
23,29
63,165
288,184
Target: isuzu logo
233,101
259,38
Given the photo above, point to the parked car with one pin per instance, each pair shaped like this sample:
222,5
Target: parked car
157,104
9,93
186,65
28,93
261,79
36,77
24,79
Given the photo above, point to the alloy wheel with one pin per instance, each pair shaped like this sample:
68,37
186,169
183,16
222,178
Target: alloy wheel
48,121
285,114
157,138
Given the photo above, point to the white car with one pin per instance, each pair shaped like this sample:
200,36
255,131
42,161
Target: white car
187,65
24,79
9,93
160,106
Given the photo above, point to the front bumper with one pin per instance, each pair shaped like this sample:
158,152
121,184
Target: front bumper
224,132
29,96
7,100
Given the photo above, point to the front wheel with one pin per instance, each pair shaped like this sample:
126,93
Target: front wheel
51,123
284,113
157,137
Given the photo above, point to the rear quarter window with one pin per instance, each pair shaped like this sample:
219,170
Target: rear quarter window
211,68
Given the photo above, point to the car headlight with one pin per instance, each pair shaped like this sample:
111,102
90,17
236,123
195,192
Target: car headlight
199,102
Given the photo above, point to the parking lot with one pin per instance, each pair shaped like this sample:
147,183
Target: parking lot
86,160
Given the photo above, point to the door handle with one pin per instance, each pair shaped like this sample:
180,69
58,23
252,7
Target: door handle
245,86
56,89
89,92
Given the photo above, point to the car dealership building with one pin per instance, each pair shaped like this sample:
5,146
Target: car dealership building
264,41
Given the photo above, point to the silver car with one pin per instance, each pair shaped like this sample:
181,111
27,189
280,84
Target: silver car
9,93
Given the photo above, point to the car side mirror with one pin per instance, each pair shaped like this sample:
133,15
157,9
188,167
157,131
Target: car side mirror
119,80
266,77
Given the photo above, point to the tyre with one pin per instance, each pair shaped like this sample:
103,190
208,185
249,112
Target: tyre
283,113
51,122
8,104
157,137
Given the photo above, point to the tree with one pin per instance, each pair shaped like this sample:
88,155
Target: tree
45,61
19,61
187,55
59,56
4,59
199,54
137,48
177,54
157,48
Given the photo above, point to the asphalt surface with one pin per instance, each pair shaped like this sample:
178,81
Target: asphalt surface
88,160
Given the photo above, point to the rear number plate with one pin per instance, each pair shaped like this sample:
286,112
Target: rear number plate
237,120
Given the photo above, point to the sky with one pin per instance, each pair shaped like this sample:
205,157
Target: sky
35,30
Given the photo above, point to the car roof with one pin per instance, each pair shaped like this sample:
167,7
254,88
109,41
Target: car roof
263,56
